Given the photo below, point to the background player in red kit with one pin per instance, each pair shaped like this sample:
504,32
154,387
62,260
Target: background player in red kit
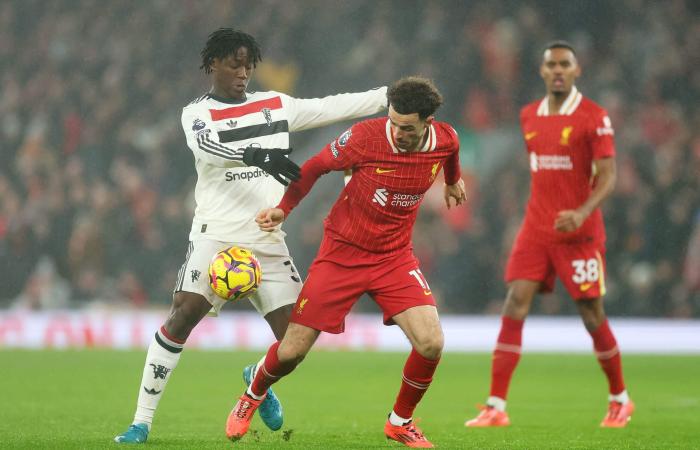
367,247
570,143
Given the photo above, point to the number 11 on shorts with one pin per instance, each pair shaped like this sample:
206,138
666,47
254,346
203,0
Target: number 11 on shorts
421,280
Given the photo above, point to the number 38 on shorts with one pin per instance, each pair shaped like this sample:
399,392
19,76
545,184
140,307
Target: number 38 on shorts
588,277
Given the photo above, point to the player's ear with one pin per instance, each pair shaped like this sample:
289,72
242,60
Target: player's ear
215,63
428,120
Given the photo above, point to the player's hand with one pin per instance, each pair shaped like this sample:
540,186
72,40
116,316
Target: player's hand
268,219
455,191
568,220
273,161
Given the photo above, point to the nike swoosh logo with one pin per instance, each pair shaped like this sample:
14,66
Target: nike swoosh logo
427,292
530,135
585,286
380,171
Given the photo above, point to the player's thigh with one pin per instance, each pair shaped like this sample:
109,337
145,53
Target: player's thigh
329,292
530,260
281,282
193,275
581,269
398,284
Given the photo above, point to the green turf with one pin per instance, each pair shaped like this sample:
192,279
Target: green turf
339,400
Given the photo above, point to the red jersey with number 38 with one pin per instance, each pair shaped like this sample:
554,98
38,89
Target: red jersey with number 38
562,148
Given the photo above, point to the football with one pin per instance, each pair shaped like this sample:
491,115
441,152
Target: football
234,273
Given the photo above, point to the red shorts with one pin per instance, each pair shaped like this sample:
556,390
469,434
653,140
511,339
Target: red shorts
341,273
580,266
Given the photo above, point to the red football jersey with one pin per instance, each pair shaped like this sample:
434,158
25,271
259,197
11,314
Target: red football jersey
562,148
378,207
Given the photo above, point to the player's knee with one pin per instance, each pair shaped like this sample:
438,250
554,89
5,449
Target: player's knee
592,313
517,305
431,346
593,321
184,316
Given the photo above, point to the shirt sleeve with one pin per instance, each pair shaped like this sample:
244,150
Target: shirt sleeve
453,171
204,142
602,141
309,113
523,131
341,154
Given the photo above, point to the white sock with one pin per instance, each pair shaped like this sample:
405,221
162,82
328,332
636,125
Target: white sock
396,420
250,394
623,397
252,377
161,359
497,403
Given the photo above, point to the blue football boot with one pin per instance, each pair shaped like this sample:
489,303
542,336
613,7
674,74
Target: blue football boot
136,434
271,409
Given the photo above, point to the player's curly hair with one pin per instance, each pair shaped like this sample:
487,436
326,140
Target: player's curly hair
414,95
226,41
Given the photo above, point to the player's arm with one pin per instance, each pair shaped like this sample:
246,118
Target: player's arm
205,145
604,173
334,156
604,183
204,142
306,113
315,167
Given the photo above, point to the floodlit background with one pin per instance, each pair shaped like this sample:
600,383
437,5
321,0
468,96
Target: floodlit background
96,180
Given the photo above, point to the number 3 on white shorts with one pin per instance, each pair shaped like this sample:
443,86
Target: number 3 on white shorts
585,270
421,280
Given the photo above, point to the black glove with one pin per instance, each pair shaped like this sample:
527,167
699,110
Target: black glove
274,162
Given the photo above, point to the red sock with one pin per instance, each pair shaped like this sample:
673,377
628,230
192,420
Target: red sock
417,375
271,371
506,355
608,356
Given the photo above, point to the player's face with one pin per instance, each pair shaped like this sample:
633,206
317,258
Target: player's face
559,70
232,74
408,129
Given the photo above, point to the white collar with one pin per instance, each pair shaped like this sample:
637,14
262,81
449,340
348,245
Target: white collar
567,108
428,146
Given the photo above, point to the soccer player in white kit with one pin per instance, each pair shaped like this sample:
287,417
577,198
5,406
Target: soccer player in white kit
240,141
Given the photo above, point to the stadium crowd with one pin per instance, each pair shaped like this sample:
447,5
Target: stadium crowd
96,181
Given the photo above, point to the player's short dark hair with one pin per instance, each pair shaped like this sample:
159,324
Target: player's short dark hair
414,95
560,44
226,41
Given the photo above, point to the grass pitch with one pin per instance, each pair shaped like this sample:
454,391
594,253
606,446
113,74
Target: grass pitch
339,400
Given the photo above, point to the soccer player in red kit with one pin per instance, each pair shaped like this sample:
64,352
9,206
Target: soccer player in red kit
569,140
367,247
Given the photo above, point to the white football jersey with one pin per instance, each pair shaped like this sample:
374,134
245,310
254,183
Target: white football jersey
228,193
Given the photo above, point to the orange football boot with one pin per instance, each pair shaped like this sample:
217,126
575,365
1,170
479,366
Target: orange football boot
239,420
489,417
618,414
409,435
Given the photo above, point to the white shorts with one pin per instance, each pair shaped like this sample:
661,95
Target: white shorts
280,286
